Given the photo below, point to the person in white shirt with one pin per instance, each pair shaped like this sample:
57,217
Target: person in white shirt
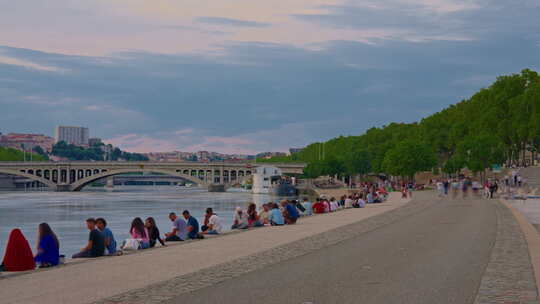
440,188
214,223
240,219
348,202
333,205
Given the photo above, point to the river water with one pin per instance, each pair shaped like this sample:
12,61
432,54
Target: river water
66,212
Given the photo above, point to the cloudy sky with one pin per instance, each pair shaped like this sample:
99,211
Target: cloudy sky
243,76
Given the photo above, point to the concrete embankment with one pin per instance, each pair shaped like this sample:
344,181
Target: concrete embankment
102,278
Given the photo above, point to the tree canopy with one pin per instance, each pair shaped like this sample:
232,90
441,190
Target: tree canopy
496,125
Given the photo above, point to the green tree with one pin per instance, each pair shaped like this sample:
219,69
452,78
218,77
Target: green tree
481,152
358,162
409,157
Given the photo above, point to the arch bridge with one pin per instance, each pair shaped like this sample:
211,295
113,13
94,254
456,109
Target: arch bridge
73,176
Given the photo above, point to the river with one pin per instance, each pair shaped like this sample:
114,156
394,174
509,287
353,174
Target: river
66,212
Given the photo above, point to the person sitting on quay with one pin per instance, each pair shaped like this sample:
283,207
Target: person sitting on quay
139,232
348,202
110,242
192,226
319,207
370,198
360,203
308,207
264,214
240,219
48,250
276,217
18,255
253,217
96,242
179,231
153,232
326,205
290,213
333,205
214,223
341,201
206,220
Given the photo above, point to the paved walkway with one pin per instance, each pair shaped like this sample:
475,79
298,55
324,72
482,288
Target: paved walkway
103,278
436,252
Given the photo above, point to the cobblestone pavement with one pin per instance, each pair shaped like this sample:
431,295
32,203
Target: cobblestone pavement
509,276
158,293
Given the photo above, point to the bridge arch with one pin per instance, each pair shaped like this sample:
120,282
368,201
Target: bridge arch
78,185
36,178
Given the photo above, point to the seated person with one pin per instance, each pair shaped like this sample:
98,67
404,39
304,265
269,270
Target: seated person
264,214
207,215
153,232
348,202
18,256
318,207
360,203
376,198
370,198
214,223
179,231
139,232
110,242
275,217
96,242
192,225
240,219
253,217
326,205
290,213
48,247
308,207
333,205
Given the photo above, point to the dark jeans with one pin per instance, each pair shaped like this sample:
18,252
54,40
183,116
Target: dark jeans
240,226
173,238
83,254
290,220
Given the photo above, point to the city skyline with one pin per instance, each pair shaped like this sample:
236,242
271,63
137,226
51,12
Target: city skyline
250,76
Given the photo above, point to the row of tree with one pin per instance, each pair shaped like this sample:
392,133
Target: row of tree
96,152
497,125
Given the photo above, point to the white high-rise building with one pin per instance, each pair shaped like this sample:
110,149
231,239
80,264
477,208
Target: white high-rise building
72,135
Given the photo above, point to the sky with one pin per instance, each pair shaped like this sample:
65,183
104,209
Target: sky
247,76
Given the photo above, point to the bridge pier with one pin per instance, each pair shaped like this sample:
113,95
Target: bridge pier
216,188
63,188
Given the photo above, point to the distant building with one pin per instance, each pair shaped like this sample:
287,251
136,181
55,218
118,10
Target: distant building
94,141
72,135
27,141
295,150
271,154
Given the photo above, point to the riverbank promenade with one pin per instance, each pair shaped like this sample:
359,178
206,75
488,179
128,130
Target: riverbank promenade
424,250
93,280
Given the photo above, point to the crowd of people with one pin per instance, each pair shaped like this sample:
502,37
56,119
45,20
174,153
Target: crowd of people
488,189
145,234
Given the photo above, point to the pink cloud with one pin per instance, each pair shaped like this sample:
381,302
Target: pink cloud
141,143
